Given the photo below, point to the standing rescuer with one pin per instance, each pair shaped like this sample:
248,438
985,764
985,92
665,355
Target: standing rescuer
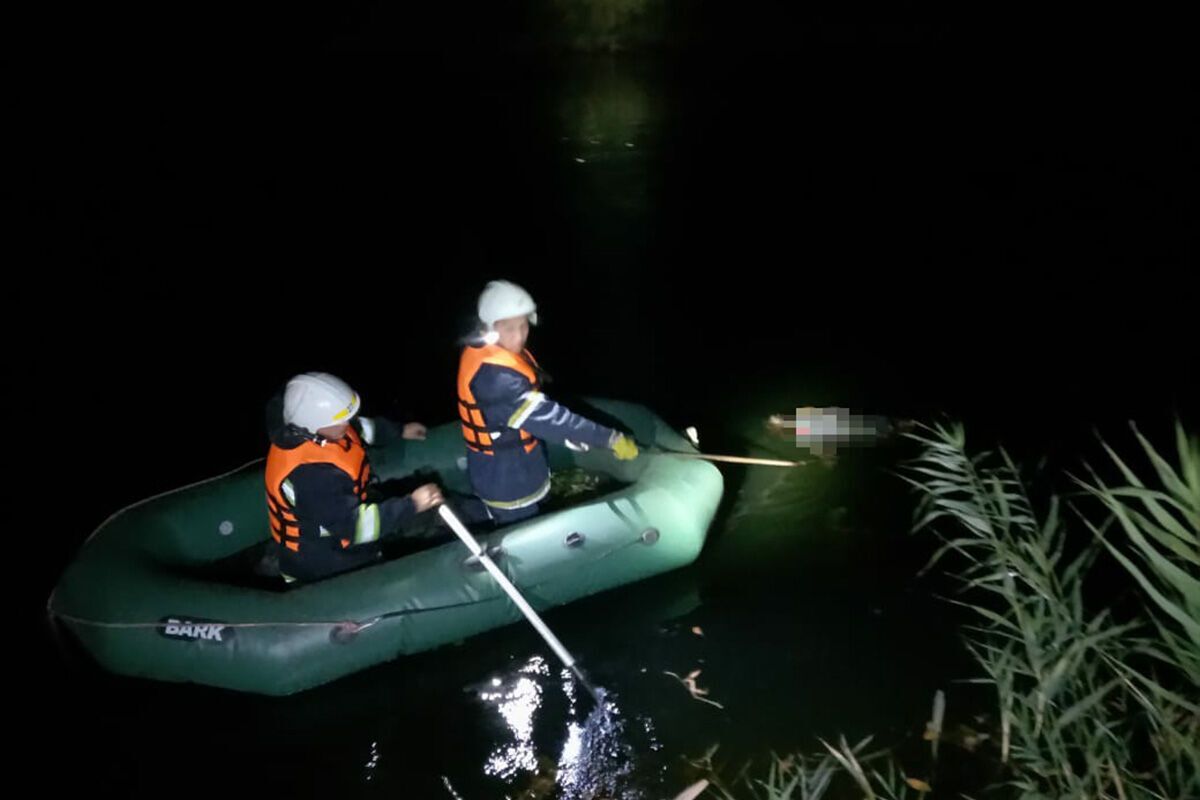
505,415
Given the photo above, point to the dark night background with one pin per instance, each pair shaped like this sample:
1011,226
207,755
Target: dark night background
993,220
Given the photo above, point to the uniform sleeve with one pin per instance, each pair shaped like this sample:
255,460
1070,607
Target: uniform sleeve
509,400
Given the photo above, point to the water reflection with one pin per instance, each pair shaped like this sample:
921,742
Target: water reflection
516,702
372,761
595,758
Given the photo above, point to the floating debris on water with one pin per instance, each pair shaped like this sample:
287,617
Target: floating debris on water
697,692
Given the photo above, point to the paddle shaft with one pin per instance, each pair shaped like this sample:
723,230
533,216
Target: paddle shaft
513,593
763,462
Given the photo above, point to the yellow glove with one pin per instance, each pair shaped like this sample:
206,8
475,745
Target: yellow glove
624,448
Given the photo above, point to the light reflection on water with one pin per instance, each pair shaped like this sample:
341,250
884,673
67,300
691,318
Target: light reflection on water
596,758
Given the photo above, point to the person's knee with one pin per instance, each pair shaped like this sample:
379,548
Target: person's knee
505,516
320,565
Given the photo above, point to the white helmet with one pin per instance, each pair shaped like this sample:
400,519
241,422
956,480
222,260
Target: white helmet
504,299
317,400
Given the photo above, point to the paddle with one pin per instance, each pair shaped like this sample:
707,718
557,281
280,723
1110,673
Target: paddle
460,530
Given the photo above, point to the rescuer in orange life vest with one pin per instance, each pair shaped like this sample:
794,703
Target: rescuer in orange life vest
505,416
317,475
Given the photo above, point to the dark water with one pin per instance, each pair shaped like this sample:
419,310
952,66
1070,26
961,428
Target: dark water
931,227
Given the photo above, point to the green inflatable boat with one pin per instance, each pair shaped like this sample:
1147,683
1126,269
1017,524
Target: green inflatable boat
143,596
